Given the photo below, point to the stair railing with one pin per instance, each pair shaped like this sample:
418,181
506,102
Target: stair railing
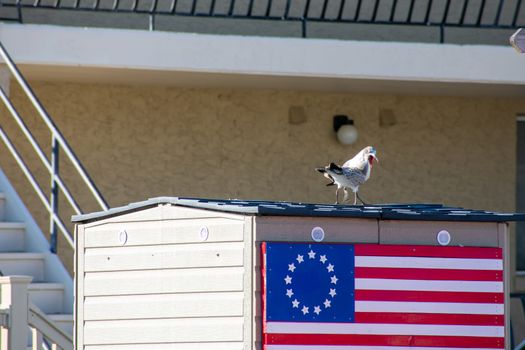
18,313
58,143
45,330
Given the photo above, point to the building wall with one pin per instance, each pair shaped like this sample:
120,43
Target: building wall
139,142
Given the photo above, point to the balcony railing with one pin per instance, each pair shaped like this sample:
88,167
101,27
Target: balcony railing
503,14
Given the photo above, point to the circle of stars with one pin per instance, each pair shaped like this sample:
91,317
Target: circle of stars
288,280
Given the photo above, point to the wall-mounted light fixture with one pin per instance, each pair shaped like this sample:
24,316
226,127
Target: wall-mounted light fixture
345,129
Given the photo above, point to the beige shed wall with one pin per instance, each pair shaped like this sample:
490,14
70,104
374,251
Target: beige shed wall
162,285
145,141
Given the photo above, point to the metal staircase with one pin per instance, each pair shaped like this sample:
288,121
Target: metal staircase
24,249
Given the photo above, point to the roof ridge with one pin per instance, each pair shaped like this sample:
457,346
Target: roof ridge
390,211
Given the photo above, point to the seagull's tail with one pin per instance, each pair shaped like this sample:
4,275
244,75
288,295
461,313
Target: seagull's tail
326,174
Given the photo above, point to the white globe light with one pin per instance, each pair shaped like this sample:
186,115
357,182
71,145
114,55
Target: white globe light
347,134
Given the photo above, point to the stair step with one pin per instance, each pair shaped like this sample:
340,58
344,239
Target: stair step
49,297
12,236
2,207
64,322
29,264
15,239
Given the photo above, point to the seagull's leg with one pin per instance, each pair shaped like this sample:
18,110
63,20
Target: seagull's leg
345,198
355,198
337,195
357,195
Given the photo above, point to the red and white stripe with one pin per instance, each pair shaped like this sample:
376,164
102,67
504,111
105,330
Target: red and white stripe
430,298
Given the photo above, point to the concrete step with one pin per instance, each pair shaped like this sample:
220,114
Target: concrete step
29,264
14,260
12,236
49,297
2,207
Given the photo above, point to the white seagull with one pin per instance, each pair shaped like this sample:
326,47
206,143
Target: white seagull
352,174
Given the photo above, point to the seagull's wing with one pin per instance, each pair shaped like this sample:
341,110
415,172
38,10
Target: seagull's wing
336,169
355,176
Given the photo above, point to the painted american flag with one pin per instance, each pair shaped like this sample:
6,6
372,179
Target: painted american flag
381,297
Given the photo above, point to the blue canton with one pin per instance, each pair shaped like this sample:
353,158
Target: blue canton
309,282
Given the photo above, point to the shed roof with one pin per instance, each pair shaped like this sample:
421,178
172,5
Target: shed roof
426,212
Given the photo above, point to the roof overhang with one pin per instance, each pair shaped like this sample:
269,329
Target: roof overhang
116,56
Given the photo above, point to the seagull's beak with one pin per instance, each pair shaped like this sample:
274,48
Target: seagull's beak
371,157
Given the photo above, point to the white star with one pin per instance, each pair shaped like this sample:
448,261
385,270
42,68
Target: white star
299,258
289,293
295,303
305,309
317,310
330,268
323,259
327,303
334,279
311,254
288,279
332,292
291,267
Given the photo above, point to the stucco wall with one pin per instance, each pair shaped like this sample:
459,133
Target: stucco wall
142,142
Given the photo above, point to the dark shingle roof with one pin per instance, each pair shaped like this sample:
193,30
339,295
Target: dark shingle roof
426,212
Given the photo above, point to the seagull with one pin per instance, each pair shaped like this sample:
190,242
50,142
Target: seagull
352,174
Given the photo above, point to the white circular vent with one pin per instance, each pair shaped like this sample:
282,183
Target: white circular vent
443,237
317,234
123,237
204,233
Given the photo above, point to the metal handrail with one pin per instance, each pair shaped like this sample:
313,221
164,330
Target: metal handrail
58,142
446,13
38,150
53,129
35,185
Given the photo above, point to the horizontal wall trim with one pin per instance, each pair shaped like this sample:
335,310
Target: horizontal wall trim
184,330
163,233
219,279
120,55
164,306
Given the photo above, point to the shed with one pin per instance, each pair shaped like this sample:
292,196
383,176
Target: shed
185,273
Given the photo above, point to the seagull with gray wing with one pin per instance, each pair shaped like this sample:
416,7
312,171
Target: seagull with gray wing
352,174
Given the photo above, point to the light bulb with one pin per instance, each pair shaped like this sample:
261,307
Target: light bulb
347,134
